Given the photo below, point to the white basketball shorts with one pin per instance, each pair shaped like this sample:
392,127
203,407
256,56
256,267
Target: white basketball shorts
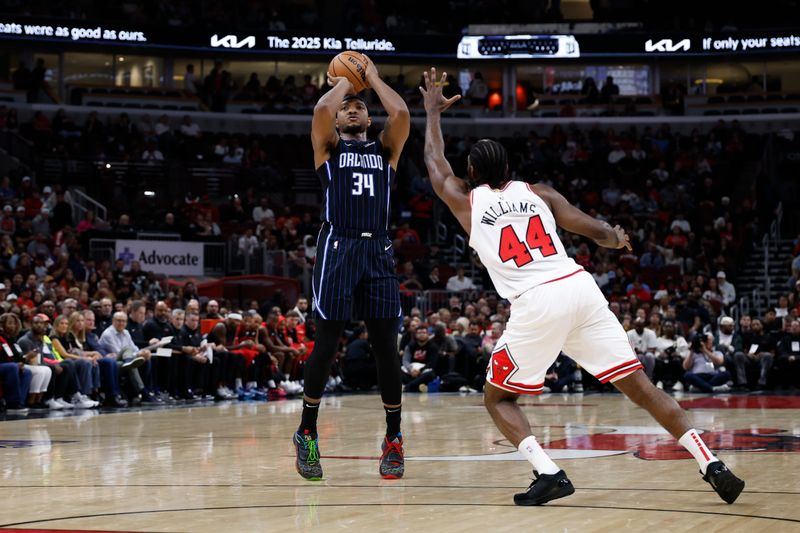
570,315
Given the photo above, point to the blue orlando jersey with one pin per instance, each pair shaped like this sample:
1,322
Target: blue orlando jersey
357,181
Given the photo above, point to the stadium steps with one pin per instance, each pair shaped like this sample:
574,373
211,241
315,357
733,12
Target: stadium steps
305,180
212,177
751,276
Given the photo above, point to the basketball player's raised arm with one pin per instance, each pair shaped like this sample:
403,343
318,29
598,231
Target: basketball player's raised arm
574,220
452,190
398,121
323,124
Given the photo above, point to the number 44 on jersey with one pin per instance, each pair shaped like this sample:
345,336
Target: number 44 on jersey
536,238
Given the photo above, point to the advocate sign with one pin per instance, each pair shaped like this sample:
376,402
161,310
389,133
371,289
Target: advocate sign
171,258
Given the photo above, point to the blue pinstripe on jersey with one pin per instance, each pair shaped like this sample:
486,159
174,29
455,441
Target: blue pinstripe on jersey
354,276
350,162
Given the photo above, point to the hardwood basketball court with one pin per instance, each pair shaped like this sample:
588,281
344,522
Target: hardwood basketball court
229,467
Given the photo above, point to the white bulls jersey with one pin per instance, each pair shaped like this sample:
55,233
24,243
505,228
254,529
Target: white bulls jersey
514,234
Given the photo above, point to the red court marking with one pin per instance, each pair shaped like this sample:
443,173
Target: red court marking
743,402
534,404
59,531
664,447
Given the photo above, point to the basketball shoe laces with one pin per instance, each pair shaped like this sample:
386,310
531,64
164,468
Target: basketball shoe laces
393,452
311,448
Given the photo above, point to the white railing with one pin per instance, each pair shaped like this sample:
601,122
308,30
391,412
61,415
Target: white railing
432,300
82,202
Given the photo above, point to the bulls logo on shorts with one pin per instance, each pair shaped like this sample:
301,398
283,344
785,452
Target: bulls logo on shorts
502,368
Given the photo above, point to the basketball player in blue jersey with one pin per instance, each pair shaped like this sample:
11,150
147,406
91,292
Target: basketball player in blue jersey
354,275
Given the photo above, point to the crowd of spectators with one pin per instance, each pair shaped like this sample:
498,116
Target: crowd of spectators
679,196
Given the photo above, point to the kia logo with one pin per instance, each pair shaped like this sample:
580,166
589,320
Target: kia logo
667,45
232,41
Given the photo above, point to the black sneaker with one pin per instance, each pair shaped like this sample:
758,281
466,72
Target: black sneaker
545,487
307,463
723,481
392,465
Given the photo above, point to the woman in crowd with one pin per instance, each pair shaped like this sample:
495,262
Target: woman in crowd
10,327
86,365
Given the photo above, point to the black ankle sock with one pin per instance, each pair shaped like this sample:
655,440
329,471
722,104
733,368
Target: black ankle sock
309,420
392,421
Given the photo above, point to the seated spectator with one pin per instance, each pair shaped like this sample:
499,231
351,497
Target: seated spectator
726,288
207,376
672,349
358,363
645,345
85,364
460,282
652,258
212,311
190,128
64,378
757,350
41,374
116,340
420,359
489,342
88,223
152,154
109,373
640,290
15,379
787,362
262,211
729,343
702,364
562,374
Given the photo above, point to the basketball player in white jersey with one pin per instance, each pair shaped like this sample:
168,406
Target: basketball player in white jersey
556,304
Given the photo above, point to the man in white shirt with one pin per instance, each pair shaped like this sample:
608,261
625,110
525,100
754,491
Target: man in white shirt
116,340
459,282
726,288
247,243
682,223
644,343
152,153
162,126
600,275
616,155
671,351
190,128
262,211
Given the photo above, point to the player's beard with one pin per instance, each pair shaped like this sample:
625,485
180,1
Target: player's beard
354,129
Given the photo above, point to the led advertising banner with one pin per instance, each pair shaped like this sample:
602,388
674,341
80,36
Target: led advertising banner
80,34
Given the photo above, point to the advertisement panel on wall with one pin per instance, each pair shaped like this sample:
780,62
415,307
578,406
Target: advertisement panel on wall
171,258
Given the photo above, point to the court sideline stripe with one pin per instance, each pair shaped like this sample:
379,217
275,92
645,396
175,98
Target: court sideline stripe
390,504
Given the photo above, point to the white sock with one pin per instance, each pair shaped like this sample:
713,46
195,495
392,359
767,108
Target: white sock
692,442
534,453
238,383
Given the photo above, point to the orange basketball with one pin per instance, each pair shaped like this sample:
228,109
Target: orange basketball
352,66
